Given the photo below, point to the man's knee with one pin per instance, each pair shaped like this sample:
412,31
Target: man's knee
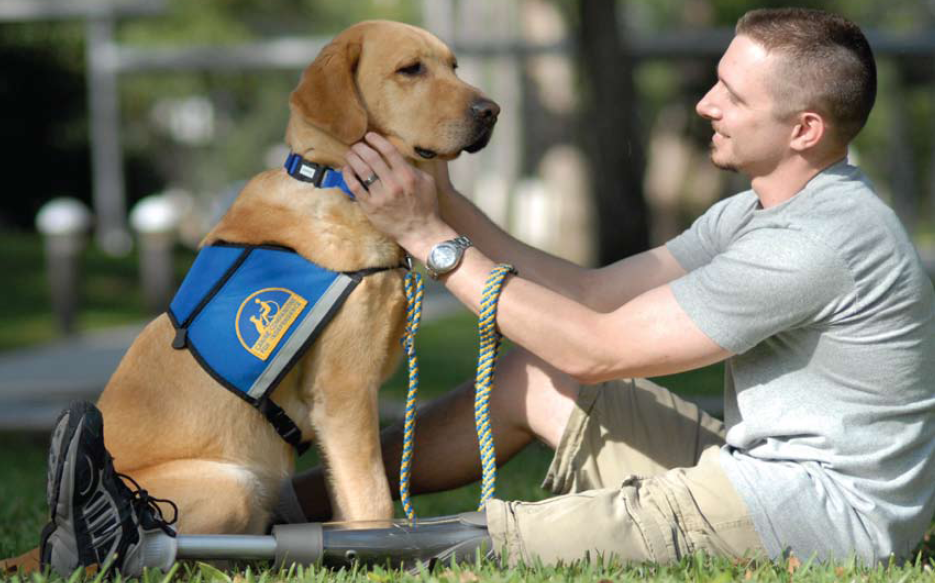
540,396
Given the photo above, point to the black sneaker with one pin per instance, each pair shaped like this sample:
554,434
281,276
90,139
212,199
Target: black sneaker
96,521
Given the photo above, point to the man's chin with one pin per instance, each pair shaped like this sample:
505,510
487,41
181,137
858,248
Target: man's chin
721,163
724,166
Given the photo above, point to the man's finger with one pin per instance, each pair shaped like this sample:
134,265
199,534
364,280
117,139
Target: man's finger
350,178
371,175
388,150
361,171
374,160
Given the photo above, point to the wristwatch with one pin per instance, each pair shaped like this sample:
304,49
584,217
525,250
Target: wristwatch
445,256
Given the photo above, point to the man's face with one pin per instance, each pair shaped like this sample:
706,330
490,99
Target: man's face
748,136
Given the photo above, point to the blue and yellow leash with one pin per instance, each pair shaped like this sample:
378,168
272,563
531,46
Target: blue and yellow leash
488,351
414,290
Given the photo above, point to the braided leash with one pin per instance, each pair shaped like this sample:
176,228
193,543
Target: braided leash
486,366
488,352
414,291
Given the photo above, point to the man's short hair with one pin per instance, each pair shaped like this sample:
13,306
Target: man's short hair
828,65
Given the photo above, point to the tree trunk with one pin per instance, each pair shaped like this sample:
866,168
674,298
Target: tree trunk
610,132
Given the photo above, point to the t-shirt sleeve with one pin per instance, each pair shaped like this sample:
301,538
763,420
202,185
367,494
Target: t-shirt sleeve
768,281
706,237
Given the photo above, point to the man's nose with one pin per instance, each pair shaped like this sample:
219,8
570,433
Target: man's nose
706,107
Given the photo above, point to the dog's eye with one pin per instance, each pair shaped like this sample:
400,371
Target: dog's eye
412,70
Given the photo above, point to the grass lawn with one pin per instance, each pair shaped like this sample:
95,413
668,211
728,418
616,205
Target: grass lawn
447,352
22,514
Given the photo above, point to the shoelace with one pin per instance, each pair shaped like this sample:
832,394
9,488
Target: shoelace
147,506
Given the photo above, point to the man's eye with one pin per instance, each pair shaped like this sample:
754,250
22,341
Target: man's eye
411,70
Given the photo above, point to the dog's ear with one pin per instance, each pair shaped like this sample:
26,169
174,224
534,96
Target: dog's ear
327,98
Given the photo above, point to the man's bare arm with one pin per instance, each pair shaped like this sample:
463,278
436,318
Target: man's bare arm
603,289
650,335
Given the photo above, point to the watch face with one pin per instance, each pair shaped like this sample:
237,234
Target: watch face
443,256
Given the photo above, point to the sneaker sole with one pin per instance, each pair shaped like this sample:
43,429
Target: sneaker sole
62,437
66,547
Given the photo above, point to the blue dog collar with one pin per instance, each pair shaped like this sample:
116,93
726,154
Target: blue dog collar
318,174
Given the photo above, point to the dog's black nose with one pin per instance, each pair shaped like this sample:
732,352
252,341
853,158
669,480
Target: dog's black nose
485,110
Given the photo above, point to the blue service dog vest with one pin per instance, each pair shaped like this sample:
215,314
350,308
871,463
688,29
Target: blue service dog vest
248,313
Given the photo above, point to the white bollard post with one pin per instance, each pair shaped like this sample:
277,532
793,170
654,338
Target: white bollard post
64,224
155,220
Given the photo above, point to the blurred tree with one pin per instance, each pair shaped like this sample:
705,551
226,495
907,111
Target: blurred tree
610,132
43,97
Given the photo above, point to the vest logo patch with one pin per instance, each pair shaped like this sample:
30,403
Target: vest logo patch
265,317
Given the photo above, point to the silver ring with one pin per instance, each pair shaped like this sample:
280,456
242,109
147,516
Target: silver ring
370,180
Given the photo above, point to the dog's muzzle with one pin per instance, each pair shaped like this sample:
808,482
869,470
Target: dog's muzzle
482,117
485,113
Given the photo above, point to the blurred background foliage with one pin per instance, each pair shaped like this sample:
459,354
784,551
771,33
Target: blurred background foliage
240,115
43,103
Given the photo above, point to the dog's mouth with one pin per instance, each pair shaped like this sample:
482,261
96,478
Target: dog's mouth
481,141
478,144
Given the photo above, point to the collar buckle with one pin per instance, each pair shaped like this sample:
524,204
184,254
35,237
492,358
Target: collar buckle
319,175
301,169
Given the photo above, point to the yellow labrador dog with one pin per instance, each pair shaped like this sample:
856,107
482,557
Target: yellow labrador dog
173,428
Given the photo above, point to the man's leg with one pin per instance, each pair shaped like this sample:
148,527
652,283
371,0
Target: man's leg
626,427
530,400
613,431
661,519
638,476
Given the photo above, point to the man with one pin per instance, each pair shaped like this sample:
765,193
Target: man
806,285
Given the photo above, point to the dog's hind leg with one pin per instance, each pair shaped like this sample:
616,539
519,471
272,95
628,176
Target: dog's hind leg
212,497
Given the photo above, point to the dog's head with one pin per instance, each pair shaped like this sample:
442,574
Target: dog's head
394,79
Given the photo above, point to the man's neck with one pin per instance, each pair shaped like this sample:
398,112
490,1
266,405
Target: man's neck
787,179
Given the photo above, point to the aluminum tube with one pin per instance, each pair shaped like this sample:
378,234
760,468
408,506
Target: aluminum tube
218,546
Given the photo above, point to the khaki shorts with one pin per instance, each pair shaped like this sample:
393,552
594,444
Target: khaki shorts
637,476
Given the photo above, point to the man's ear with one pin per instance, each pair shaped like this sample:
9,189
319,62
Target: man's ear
327,98
809,131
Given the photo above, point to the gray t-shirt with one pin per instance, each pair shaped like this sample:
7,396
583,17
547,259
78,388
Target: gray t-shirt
830,397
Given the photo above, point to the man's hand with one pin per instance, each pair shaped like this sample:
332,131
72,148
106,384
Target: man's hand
401,201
